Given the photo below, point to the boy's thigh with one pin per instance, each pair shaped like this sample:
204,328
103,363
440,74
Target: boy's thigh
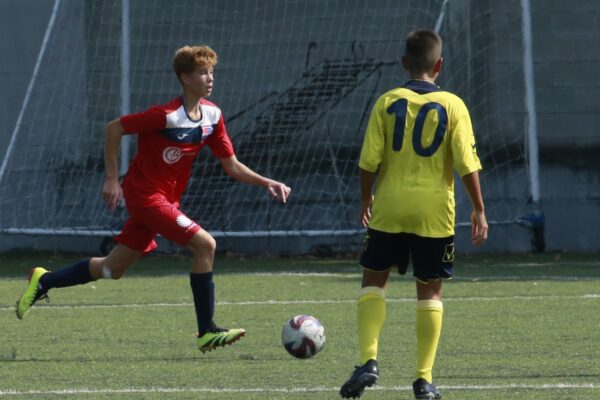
144,223
137,235
382,250
169,221
432,258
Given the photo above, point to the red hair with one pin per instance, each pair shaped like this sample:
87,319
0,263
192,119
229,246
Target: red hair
188,58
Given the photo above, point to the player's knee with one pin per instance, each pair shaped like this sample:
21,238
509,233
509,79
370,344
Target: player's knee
209,245
375,278
203,244
429,290
112,273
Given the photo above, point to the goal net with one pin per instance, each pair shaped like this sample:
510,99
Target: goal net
295,80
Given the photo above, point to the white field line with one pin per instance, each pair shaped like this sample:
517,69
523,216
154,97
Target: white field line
348,272
352,275
68,392
555,263
293,302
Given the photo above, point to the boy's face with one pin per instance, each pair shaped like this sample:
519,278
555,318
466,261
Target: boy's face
199,81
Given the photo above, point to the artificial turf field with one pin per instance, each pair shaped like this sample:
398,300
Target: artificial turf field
525,327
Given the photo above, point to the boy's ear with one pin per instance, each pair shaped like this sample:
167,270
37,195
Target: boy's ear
405,63
184,78
438,65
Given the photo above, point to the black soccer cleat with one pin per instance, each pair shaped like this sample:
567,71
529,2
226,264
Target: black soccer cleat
424,390
362,377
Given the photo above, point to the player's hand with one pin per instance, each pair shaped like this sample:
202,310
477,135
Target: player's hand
279,190
112,193
479,228
365,211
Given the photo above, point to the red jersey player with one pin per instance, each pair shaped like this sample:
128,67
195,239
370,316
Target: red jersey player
170,137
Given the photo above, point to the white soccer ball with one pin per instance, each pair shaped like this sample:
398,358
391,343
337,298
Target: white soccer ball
303,336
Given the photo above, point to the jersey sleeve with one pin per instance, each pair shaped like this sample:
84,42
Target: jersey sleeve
153,119
372,150
464,151
219,142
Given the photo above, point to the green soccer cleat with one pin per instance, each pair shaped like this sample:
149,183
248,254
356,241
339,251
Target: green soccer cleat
218,337
32,294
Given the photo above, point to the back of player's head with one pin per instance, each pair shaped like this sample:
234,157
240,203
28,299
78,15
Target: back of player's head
188,58
423,50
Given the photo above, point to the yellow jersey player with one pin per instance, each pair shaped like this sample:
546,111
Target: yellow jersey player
417,136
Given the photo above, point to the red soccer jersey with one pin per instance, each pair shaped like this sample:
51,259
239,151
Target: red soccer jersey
168,143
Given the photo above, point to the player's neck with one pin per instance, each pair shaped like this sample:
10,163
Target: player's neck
191,104
427,76
423,78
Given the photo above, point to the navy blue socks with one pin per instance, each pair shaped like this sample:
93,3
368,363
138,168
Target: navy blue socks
203,290
76,274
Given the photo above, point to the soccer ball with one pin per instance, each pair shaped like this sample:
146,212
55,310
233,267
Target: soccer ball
303,336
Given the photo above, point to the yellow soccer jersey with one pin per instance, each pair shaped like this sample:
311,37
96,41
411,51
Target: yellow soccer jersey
417,135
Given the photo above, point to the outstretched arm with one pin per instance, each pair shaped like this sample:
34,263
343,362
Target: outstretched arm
111,191
242,173
479,225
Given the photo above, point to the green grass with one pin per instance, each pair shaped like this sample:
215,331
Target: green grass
515,327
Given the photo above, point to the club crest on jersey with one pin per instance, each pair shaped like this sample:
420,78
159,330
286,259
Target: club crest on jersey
171,155
207,130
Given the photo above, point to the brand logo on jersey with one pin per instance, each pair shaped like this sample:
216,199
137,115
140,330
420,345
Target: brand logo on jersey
182,136
172,154
207,130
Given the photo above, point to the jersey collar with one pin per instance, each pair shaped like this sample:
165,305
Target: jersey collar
421,87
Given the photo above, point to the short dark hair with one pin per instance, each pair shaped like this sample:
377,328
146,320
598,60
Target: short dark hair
423,49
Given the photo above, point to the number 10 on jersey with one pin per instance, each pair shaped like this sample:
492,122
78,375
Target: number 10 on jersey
399,108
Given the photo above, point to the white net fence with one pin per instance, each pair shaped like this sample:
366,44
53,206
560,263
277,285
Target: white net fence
295,80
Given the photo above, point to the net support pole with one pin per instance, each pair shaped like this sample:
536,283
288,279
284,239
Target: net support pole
125,86
440,20
532,143
535,219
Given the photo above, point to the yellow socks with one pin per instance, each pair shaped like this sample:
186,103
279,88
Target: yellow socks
370,315
429,326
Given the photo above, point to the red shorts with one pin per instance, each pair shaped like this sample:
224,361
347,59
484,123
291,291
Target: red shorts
163,218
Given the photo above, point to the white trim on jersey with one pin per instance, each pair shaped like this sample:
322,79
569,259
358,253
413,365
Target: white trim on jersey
180,119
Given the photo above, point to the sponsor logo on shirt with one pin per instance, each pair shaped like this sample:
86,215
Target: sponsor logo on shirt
172,154
207,130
